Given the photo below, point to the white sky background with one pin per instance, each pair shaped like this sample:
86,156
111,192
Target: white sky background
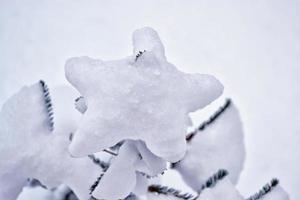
252,46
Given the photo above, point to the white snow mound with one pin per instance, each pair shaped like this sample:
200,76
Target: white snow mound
29,149
219,146
223,190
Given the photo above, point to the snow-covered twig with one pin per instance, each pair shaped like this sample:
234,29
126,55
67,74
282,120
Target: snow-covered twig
265,190
215,116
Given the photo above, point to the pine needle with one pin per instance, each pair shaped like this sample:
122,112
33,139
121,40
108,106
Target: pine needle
48,104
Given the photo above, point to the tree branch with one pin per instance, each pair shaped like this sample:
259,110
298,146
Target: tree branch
48,104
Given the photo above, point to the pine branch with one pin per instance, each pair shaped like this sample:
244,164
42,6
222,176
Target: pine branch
139,54
265,190
97,161
165,190
210,183
214,179
48,104
211,120
95,184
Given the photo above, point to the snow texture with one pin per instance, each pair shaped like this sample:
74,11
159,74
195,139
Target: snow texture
80,105
37,193
219,186
28,148
251,46
152,196
62,192
219,145
133,161
270,191
141,186
278,193
141,97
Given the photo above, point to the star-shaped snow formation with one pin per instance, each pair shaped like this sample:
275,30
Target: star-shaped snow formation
141,97
31,147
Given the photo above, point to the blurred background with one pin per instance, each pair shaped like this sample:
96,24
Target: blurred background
252,46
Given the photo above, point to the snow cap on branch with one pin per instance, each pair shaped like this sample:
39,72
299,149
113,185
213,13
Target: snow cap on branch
28,148
223,189
140,97
271,191
219,145
147,39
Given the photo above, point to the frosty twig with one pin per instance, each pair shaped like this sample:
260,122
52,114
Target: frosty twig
215,116
265,190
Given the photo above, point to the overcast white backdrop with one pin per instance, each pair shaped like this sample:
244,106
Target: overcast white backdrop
252,46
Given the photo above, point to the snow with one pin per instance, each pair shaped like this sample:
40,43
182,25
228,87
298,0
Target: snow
17,128
24,117
278,193
80,104
120,178
141,186
36,193
139,97
224,190
133,159
255,56
40,193
152,196
151,164
146,39
65,116
219,146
